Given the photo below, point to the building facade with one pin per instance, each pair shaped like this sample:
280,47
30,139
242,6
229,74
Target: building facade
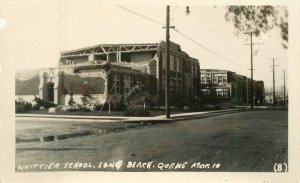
223,86
110,72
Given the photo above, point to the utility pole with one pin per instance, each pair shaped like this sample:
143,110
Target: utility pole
283,87
247,93
251,57
168,61
274,98
251,92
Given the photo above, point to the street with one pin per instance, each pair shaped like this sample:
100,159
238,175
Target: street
251,141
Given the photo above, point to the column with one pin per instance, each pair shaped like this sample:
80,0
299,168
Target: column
41,86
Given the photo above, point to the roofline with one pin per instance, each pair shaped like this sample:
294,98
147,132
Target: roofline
216,70
95,46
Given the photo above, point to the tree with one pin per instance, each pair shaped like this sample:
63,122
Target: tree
259,19
138,91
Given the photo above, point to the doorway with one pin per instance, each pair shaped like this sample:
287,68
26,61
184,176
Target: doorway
50,91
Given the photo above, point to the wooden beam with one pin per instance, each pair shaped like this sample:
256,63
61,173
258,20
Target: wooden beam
106,50
103,49
101,53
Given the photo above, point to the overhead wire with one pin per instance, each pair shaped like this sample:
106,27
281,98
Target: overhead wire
138,14
189,38
209,50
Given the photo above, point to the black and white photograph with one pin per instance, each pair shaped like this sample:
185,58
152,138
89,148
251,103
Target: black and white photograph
115,89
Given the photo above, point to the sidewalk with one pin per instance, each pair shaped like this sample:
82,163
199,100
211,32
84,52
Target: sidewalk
79,126
124,119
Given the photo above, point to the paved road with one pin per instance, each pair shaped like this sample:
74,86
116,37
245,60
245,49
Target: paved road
246,141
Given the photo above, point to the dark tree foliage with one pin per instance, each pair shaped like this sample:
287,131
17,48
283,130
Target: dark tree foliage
259,19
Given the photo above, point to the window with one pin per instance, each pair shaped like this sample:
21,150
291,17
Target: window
220,79
175,65
69,61
194,71
178,64
172,81
215,79
117,83
220,94
171,62
206,92
203,79
208,80
225,93
127,83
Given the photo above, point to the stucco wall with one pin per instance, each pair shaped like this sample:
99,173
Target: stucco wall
24,98
140,57
80,60
27,87
91,99
74,84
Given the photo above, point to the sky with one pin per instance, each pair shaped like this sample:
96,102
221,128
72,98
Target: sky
35,37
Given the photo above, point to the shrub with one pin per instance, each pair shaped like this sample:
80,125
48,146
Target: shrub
84,109
41,103
71,101
120,107
99,106
137,112
21,107
78,108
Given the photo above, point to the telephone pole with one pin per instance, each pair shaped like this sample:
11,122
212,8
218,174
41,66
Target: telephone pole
251,92
247,93
168,62
283,87
251,57
167,104
274,98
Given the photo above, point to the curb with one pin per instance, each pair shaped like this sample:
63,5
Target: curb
50,138
139,121
210,114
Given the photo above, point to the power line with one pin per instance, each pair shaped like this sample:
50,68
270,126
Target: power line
189,38
138,14
155,21
207,49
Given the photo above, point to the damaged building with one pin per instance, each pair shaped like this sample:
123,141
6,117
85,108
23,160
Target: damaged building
109,72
